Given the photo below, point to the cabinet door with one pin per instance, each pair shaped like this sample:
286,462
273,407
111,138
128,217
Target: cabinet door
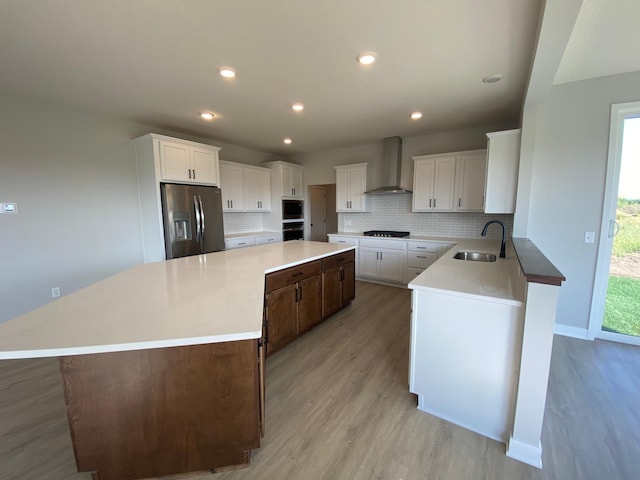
423,177
204,166
368,259
264,190
470,185
309,303
331,292
348,282
281,313
392,265
296,182
342,190
357,186
444,184
251,192
232,187
174,161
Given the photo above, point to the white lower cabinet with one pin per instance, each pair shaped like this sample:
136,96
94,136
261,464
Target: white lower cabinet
270,238
382,259
251,239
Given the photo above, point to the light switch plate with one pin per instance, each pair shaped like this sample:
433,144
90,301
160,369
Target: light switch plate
589,237
8,208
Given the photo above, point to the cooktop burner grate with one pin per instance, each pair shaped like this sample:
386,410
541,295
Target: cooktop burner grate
385,233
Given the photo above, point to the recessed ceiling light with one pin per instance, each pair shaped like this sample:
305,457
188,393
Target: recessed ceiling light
207,115
227,72
416,115
298,107
288,141
366,58
493,78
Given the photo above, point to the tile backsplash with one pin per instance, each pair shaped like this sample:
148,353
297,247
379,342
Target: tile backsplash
393,212
237,222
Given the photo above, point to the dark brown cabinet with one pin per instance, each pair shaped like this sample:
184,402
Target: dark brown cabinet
292,303
338,282
165,411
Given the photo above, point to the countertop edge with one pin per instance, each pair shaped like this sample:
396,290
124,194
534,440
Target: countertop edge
535,266
125,347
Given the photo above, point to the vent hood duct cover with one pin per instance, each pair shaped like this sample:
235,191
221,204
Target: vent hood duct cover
391,167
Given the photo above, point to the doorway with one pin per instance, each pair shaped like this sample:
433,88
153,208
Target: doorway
322,211
615,312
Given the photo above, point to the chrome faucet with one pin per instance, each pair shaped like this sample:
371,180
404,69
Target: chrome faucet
502,245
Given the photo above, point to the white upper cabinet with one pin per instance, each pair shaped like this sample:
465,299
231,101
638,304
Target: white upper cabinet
286,178
188,162
245,188
257,183
470,170
451,182
434,183
503,160
351,183
232,186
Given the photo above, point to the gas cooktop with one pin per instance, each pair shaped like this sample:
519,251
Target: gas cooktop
385,233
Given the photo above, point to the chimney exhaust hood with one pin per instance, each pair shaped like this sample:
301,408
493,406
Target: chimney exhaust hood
391,168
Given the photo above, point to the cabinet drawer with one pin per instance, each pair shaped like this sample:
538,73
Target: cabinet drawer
423,247
421,259
335,261
387,244
262,239
281,278
412,273
239,242
343,240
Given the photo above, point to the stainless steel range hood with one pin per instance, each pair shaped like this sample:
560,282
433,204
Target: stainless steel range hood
391,168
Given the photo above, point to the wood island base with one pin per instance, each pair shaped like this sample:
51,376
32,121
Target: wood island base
165,411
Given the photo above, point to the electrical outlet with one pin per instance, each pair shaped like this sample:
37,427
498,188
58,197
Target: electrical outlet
589,237
55,292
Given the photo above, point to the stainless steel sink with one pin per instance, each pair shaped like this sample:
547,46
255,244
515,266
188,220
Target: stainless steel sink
475,256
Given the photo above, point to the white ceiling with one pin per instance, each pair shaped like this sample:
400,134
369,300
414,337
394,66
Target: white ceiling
605,41
155,61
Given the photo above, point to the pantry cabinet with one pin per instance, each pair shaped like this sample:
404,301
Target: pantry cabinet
351,183
188,162
503,161
245,188
451,182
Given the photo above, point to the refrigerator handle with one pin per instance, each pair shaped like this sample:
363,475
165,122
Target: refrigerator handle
196,208
201,219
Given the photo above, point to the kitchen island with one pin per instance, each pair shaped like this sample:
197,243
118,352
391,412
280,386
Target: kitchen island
481,334
163,363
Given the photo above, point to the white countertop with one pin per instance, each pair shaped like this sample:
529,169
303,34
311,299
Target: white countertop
209,298
497,281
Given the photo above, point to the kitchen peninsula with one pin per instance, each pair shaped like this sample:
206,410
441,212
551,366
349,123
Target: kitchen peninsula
163,363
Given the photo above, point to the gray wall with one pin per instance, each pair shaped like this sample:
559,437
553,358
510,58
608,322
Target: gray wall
73,177
567,178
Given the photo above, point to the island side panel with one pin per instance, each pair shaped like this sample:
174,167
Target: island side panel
148,413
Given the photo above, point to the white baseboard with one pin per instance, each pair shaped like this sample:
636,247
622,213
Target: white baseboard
569,331
523,452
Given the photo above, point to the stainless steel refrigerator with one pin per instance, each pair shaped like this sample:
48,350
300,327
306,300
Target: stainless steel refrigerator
192,217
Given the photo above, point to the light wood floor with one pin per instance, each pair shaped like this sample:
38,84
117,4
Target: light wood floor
338,407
